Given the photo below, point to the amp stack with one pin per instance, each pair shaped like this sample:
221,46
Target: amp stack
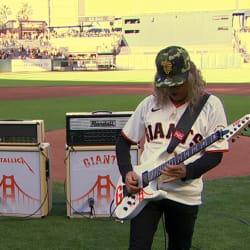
92,171
25,183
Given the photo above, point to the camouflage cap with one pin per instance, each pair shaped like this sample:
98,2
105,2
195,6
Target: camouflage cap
173,65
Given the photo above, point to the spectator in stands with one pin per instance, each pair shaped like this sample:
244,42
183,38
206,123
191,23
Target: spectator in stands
13,47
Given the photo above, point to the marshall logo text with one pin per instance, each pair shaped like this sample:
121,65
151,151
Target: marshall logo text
105,123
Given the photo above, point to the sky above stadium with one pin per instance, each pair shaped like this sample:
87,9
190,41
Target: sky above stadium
64,12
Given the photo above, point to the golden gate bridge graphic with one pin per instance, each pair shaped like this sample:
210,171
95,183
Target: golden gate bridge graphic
12,194
102,192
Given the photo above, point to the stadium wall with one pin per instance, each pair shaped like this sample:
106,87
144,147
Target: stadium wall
119,62
5,65
180,28
207,35
25,65
203,61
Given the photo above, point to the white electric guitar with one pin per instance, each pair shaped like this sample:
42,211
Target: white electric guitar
128,205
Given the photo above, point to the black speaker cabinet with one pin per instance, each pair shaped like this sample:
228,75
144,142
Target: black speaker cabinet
94,128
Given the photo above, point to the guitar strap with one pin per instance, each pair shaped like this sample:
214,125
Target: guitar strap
185,123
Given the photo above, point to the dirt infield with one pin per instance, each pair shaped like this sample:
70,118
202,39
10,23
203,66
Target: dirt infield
20,93
235,163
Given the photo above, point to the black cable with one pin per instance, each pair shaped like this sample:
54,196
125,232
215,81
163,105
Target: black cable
92,212
67,154
88,215
42,204
196,248
111,213
69,203
231,217
30,215
65,193
91,202
164,231
110,209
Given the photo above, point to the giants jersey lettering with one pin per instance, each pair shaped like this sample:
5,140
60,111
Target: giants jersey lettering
158,124
159,132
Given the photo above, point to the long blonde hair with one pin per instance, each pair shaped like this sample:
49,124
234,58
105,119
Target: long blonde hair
196,85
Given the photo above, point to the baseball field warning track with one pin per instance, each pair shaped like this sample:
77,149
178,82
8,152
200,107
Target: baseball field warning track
19,93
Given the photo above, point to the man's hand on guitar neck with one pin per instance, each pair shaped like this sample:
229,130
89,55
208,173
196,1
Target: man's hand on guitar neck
174,172
131,182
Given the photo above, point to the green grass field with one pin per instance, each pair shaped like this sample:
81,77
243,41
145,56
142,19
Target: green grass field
32,83
53,110
223,222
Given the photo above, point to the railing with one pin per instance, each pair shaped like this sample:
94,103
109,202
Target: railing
99,62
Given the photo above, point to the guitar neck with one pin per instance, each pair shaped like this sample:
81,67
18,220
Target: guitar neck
153,174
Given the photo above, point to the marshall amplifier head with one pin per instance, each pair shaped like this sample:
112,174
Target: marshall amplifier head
21,132
94,128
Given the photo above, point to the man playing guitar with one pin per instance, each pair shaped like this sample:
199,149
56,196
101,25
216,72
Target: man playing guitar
178,84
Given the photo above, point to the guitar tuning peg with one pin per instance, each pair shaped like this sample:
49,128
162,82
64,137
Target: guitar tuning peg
233,140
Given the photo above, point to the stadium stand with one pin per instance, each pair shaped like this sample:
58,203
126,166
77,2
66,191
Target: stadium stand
92,45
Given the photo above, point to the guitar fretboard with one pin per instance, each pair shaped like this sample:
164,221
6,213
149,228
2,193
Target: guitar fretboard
153,174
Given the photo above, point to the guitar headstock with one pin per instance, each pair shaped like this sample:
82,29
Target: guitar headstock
234,129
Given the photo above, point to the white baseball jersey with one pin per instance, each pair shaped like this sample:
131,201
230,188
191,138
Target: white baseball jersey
157,125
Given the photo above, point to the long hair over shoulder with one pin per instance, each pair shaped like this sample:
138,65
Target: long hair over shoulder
196,88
